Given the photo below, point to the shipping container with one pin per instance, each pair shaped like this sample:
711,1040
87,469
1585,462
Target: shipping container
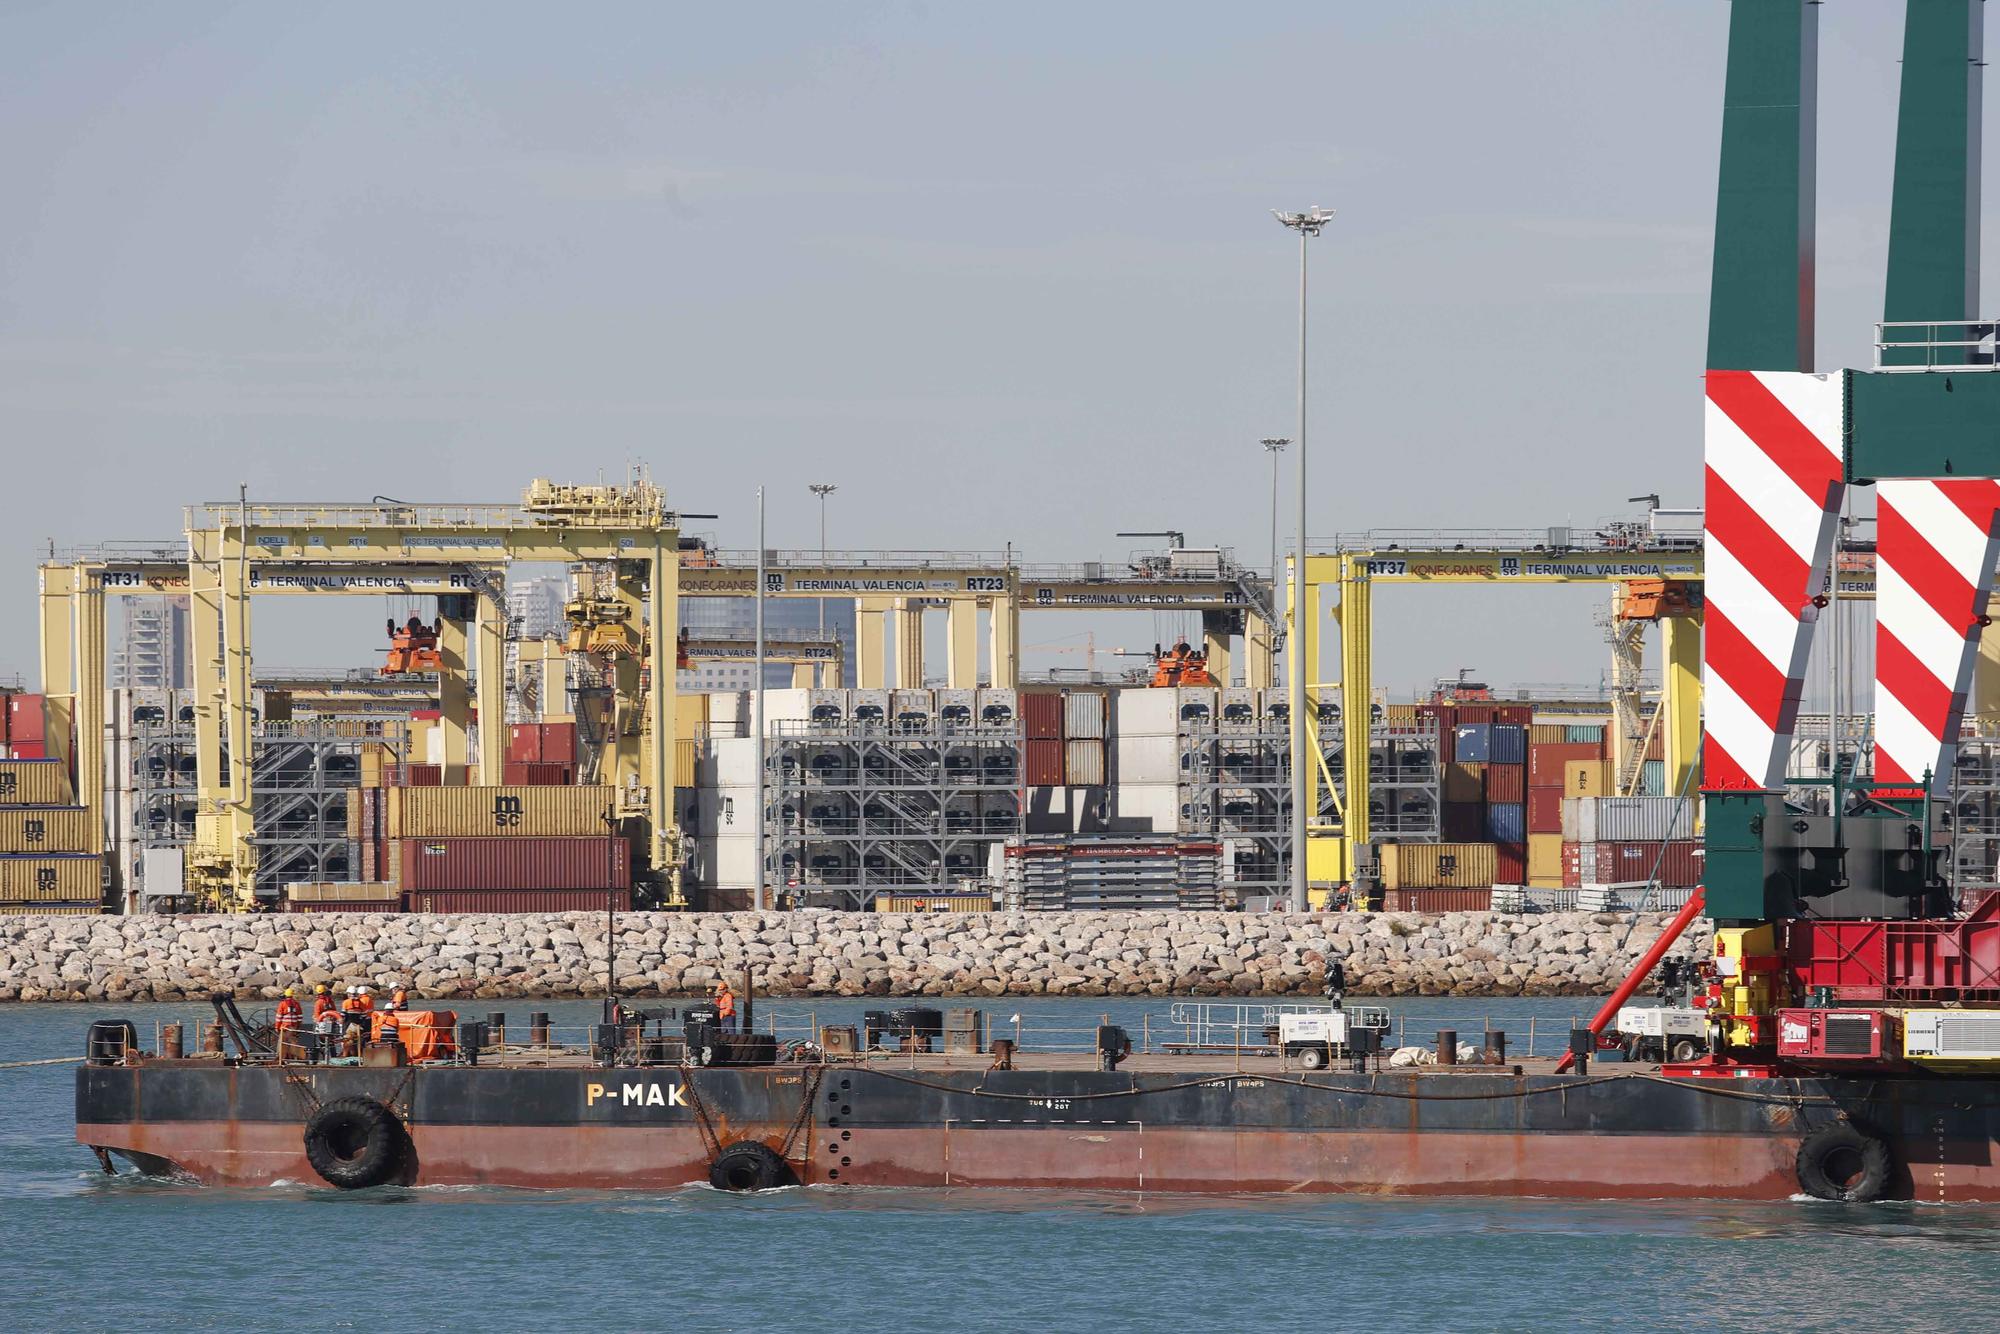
25,722
1545,762
517,900
512,863
68,877
1586,734
48,829
1508,744
1434,865
1513,715
524,743
1506,782
1678,861
1146,759
1626,819
1507,822
1510,864
1462,821
1547,734
31,782
686,753
1545,857
1042,715
558,743
1142,711
342,891
1438,900
523,812
1479,714
1545,810
1464,782
26,750
1402,717
1572,875
1083,715
934,903
1472,741
537,773
1652,778
1083,763
1043,757
1588,778
51,909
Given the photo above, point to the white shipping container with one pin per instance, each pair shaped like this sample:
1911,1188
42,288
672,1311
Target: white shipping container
1148,806
999,708
1083,715
1083,763
732,861
1139,711
735,761
1146,759
1626,819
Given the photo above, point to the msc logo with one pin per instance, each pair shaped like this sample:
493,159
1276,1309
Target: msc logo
774,583
35,831
45,879
9,784
506,812
646,1094
1510,567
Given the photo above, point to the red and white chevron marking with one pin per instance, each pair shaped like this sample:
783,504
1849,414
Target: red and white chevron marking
1935,544
1772,444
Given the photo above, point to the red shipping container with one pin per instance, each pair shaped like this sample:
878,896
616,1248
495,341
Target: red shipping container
25,721
413,775
1476,713
513,863
1463,822
558,743
1506,784
1514,715
538,774
515,900
1573,864
1044,758
1042,716
1546,761
26,750
524,743
1510,864
1615,863
1437,900
1545,810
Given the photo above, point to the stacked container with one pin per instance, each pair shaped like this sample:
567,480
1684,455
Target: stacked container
47,861
1614,840
1083,738
23,734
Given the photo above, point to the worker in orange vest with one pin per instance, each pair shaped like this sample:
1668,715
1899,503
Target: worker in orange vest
725,1007
287,1025
355,1011
289,1011
326,1020
399,999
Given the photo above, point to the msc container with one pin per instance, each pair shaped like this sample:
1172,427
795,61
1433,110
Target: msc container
1545,810
1587,778
1042,715
1545,857
51,909
1464,782
26,782
1043,758
1506,782
1545,762
1438,900
525,812
1437,865
1507,822
24,719
1083,715
517,900
66,877
1083,763
1626,819
1507,744
513,863
46,829
537,773
1472,741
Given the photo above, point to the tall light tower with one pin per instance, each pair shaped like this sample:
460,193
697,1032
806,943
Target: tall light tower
1308,224
822,490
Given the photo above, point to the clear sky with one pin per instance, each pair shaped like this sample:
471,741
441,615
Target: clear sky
1005,273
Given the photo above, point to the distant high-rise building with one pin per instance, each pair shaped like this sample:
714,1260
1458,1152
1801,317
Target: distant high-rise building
738,616
153,652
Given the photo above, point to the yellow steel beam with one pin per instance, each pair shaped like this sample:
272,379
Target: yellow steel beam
454,699
1680,690
663,615
1357,690
1259,647
909,622
961,659
490,629
1217,630
870,662
627,765
1003,643
59,686
88,600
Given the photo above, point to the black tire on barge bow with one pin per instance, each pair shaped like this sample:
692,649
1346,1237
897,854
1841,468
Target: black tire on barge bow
1840,1162
355,1143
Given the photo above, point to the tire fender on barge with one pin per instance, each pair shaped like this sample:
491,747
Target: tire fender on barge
1842,1162
355,1143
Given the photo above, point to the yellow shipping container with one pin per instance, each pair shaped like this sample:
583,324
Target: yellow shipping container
1464,781
934,903
341,891
1547,734
60,879
1545,882
52,909
34,783
531,812
47,829
685,751
1438,865
1399,715
1545,857
354,817
1587,778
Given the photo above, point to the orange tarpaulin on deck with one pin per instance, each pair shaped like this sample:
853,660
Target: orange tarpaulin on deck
427,1034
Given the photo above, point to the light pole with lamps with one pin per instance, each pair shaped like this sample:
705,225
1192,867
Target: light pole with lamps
1308,224
1274,445
822,490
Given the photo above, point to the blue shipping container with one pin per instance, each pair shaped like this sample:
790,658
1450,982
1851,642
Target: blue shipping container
1471,742
1507,822
1584,734
1653,779
1508,744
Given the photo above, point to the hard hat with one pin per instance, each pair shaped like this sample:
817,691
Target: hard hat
363,988
320,990
288,992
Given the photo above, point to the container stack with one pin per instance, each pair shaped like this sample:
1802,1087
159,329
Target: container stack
1086,873
540,755
1552,751
1083,738
1042,726
1484,752
47,862
22,728
1620,840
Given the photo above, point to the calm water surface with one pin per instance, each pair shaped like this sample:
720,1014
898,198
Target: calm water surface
89,1252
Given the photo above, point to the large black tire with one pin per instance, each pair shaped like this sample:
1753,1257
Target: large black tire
747,1166
355,1143
1840,1162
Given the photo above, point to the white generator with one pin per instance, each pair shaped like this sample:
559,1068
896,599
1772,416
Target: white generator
1662,1032
1318,1037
